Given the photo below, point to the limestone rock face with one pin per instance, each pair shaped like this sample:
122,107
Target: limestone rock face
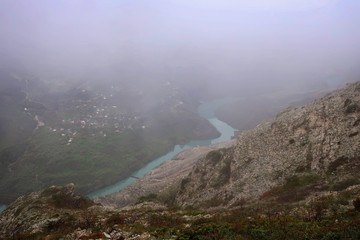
320,138
41,211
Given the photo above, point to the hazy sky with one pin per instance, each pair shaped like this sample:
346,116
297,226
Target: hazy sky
233,40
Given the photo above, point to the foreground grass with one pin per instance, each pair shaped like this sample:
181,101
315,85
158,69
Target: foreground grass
201,225
60,213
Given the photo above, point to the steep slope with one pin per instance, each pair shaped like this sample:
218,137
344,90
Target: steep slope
304,150
161,177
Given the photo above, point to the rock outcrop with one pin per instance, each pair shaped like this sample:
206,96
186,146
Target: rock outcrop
60,213
42,211
319,141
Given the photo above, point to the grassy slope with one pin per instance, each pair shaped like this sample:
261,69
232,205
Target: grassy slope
322,219
16,126
89,162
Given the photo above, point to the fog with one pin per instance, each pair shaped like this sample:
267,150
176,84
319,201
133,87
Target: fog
269,44
93,90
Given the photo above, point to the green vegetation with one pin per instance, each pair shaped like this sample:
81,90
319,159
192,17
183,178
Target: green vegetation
224,174
215,201
88,162
168,197
116,218
237,224
64,199
16,126
324,217
223,155
342,185
147,198
356,204
89,137
295,188
337,163
352,108
225,171
183,183
214,156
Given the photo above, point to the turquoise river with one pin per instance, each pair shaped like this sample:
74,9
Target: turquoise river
206,110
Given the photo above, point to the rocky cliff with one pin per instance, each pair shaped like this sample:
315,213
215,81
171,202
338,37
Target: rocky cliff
315,148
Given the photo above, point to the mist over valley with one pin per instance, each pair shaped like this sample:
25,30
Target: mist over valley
93,91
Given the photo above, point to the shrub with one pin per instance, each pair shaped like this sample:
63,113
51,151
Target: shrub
226,169
356,204
64,200
345,184
148,198
163,221
183,183
352,108
214,157
332,236
294,189
224,174
213,202
337,163
116,218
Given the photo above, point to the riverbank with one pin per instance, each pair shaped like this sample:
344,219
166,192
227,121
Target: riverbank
205,110
162,176
94,152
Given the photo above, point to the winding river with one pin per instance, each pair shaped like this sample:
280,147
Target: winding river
206,110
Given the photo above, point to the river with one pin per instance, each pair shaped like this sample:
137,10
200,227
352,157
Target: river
206,110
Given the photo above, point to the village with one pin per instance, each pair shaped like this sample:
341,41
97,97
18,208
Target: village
97,114
95,120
